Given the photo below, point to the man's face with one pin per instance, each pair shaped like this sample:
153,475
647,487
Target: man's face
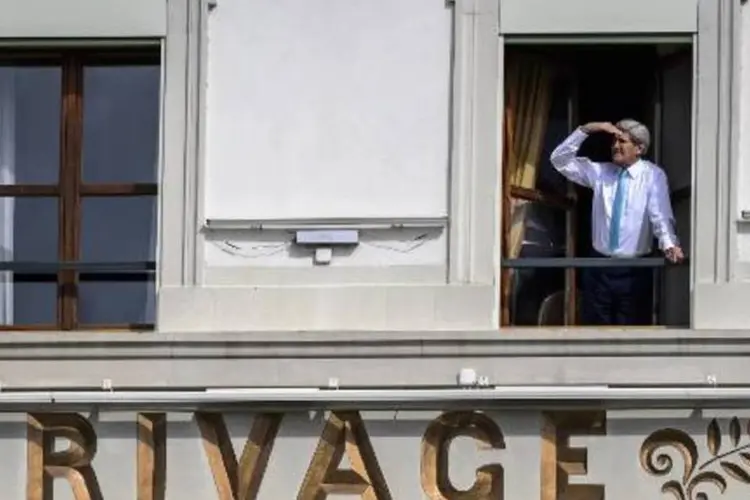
625,152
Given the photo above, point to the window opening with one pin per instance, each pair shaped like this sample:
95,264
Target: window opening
546,236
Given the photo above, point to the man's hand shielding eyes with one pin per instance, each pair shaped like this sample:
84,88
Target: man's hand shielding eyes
607,127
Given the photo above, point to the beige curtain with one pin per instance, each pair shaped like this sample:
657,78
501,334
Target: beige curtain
528,89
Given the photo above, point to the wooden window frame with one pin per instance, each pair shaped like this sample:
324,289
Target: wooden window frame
70,189
568,204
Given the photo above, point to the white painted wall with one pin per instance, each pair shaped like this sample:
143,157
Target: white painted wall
378,76
333,108
338,108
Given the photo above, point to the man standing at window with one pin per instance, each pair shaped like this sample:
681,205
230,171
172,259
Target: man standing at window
630,207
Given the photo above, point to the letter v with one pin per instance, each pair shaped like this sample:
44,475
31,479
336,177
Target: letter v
238,481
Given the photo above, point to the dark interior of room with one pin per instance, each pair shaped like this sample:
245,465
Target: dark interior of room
613,82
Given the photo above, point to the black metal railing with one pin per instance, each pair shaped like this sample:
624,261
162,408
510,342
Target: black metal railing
657,265
584,262
47,272
38,267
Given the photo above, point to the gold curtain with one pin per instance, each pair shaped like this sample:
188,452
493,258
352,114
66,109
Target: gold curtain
528,89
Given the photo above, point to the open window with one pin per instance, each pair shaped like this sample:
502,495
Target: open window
550,90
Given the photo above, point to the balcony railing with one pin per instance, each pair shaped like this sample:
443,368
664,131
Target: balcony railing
585,262
51,267
567,298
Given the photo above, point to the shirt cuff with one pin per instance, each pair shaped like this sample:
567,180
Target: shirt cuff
575,139
668,241
578,135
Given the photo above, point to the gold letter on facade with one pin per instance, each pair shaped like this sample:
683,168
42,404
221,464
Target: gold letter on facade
44,464
152,456
238,481
344,433
436,446
559,461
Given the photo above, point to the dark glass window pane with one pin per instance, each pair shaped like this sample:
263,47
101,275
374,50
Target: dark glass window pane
538,294
35,229
34,303
30,102
543,233
29,233
119,303
118,229
120,124
111,302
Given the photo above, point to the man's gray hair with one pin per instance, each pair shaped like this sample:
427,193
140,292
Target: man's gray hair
637,131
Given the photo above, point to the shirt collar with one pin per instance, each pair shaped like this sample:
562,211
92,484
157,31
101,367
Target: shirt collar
636,169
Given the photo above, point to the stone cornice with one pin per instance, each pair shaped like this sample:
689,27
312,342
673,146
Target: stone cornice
167,360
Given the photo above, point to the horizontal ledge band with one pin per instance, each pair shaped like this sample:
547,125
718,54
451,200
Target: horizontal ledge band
632,397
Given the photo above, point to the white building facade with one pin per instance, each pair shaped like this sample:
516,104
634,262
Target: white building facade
322,206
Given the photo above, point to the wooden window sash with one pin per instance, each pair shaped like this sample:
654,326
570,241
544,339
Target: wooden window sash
547,199
70,188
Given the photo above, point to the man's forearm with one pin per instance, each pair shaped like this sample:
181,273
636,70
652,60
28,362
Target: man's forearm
589,128
594,127
564,158
668,240
665,233
566,151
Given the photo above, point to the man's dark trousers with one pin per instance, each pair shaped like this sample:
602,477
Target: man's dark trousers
617,295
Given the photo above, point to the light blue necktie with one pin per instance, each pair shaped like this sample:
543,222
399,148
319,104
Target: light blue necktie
617,209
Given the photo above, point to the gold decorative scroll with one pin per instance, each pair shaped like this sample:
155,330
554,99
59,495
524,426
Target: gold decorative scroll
344,433
73,464
703,476
435,448
152,456
560,461
238,480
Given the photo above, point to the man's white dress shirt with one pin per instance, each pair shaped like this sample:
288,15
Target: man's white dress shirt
647,208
